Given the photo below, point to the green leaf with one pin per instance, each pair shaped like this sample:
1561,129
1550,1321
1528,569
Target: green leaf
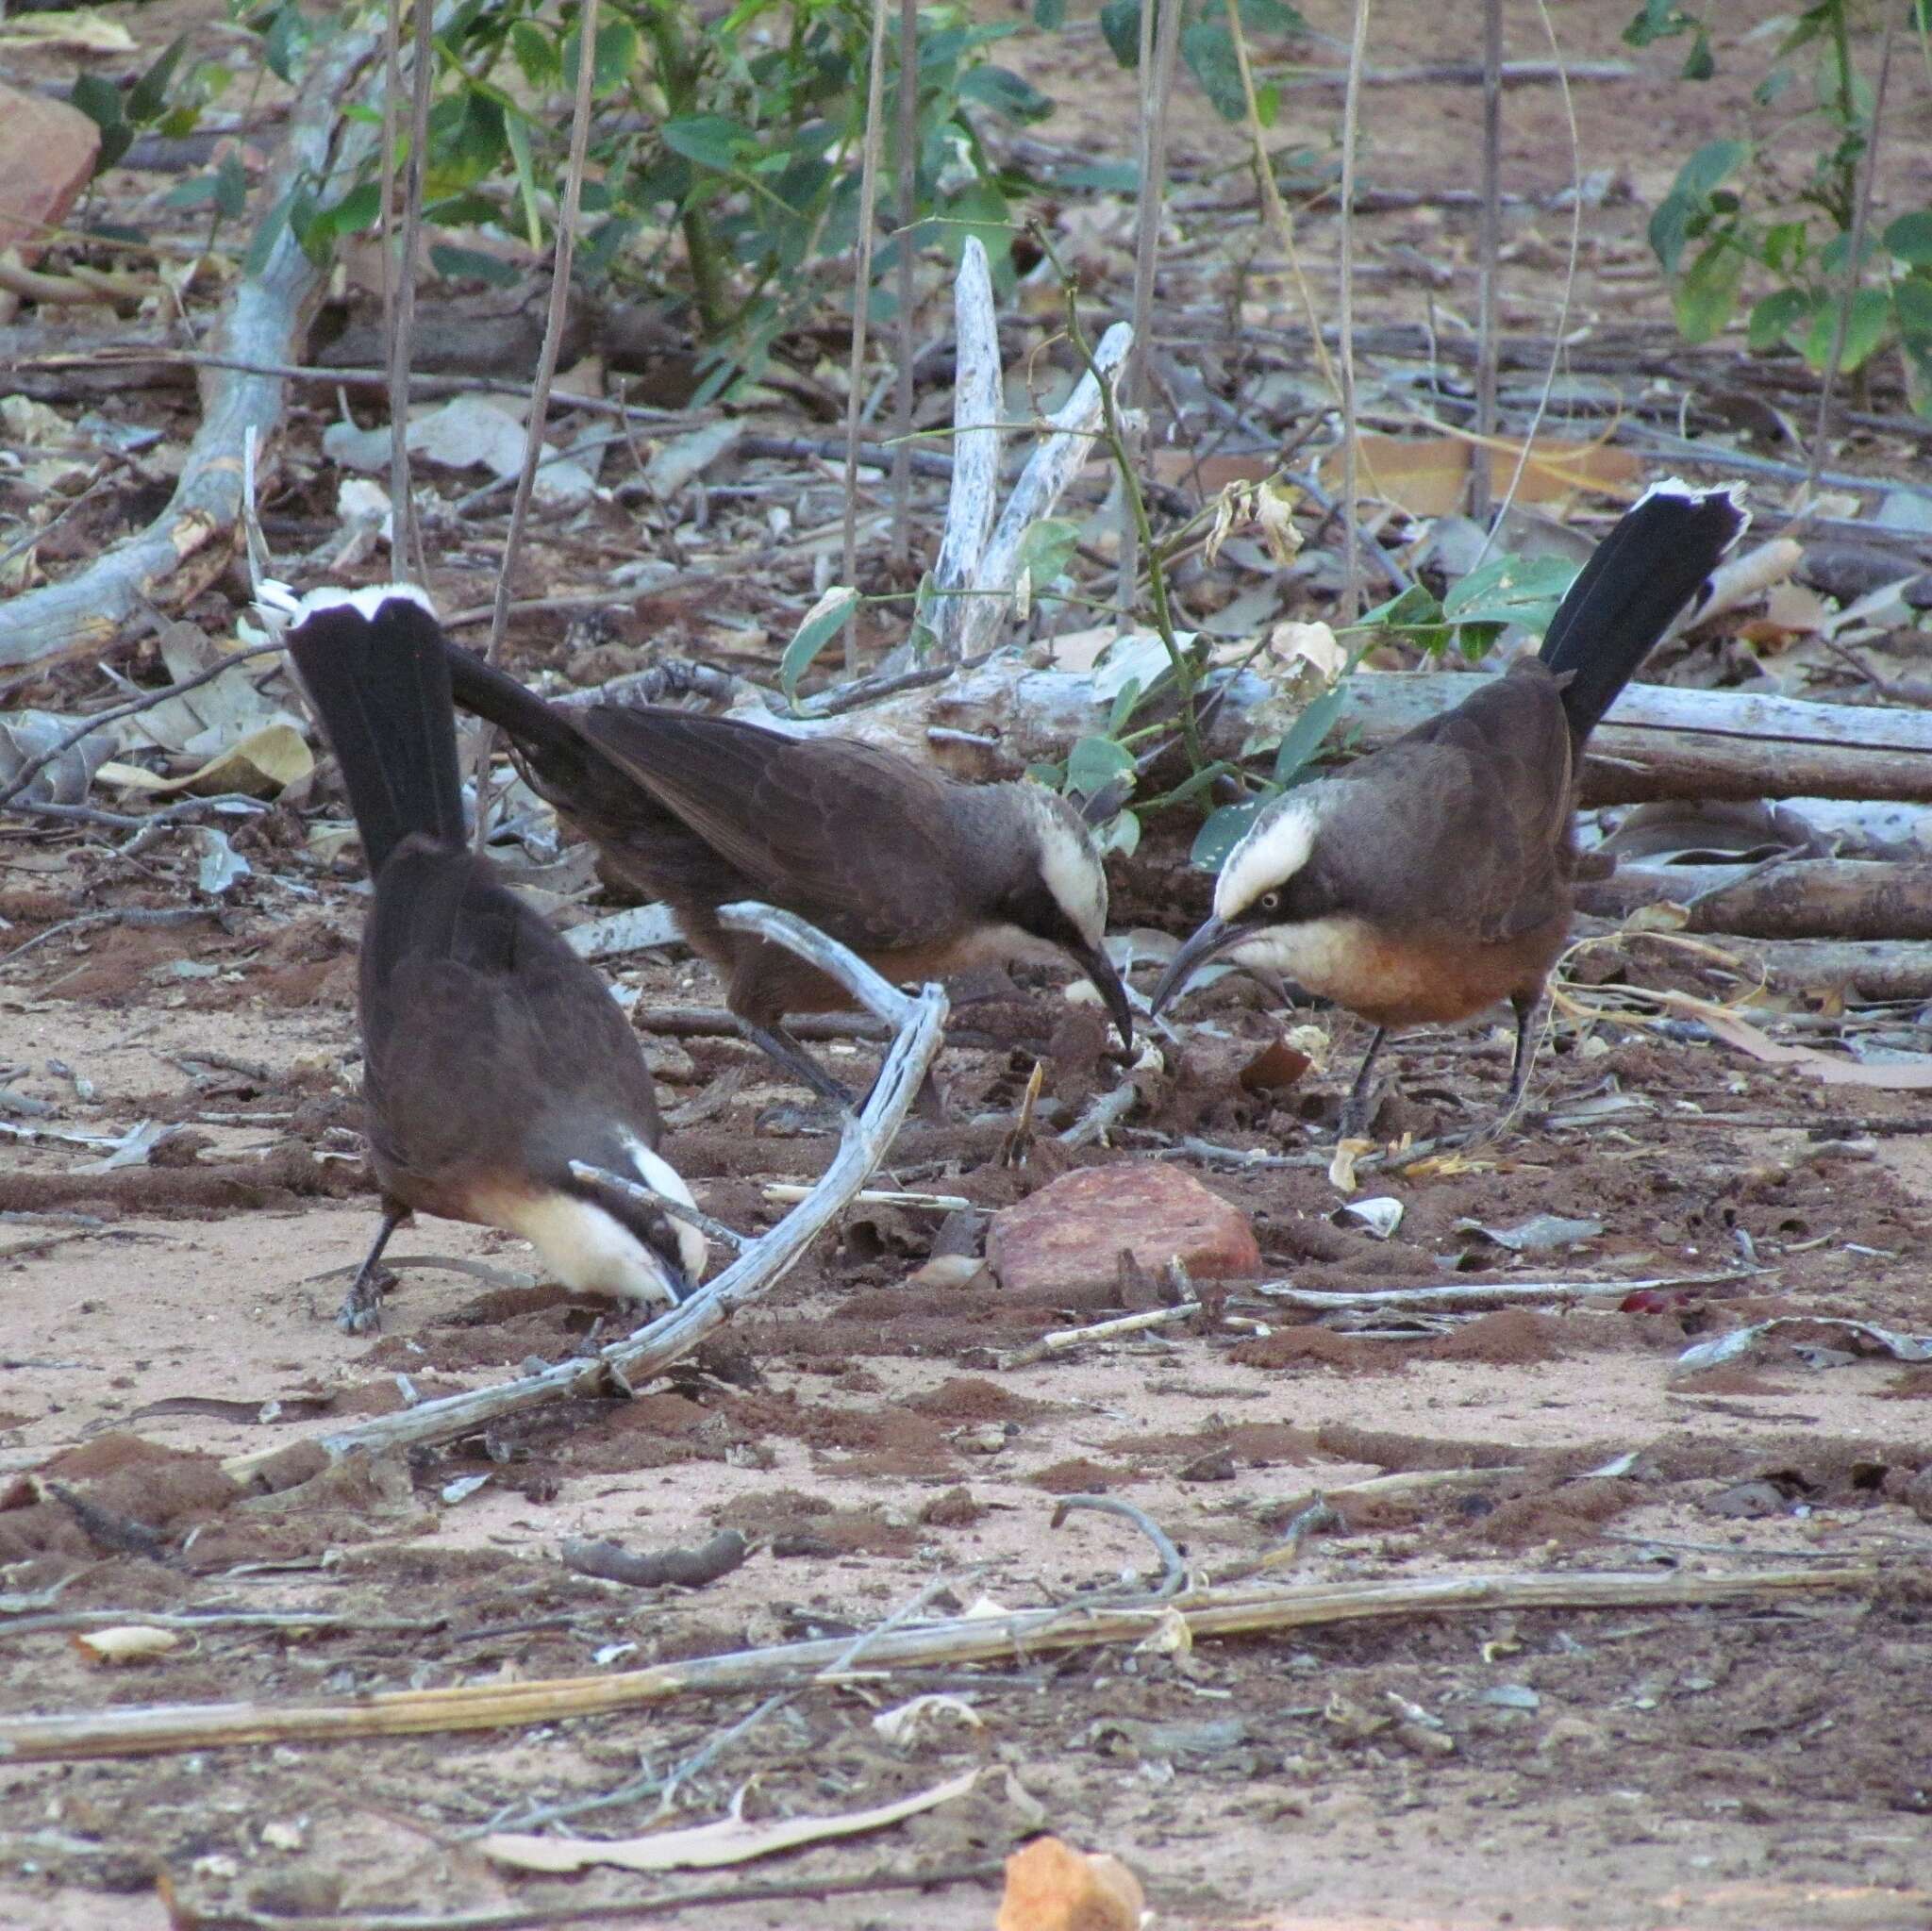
1911,300
1707,294
1125,699
536,55
99,100
822,622
286,41
1510,589
467,264
231,188
1689,202
1657,20
1050,14
1414,607
618,48
1273,17
148,96
1208,47
1778,318
1785,244
1307,734
1121,833
1910,237
1870,321
1095,763
1224,829
1120,22
1699,63
712,140
1004,93
517,131
1047,547
359,211
274,223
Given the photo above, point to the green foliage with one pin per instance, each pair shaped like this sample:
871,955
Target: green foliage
120,112
1207,46
1728,222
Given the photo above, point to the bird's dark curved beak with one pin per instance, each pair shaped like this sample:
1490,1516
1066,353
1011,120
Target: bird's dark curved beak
677,1284
1094,962
1213,936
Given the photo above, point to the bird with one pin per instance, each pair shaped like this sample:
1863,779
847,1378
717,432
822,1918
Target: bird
493,1056
1434,877
919,875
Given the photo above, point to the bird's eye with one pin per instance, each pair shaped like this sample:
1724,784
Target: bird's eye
1270,902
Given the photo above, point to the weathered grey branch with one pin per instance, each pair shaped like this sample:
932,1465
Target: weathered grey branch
187,545
1803,898
973,497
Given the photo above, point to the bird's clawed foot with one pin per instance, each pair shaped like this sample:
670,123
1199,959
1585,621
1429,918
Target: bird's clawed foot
362,1308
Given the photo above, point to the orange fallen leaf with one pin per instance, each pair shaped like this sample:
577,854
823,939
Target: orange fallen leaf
1429,476
1051,1887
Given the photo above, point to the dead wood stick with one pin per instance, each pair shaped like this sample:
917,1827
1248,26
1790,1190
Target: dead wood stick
157,1729
187,546
975,454
1480,1293
1459,74
862,1145
1808,898
1061,1339
1869,969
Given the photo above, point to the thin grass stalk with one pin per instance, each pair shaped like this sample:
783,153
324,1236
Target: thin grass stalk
1490,249
561,259
908,213
1279,220
862,308
405,536
1351,121
1562,327
1160,41
1828,391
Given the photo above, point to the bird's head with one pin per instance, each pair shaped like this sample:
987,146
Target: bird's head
1060,895
1271,884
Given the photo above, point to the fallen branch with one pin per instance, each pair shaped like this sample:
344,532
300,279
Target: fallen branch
187,547
162,1728
1800,898
1478,1293
759,1268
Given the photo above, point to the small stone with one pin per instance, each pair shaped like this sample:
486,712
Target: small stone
1217,1465
1918,1494
1072,1232
1051,1887
48,153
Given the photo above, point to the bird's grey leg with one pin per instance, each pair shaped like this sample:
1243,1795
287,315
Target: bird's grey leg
1359,1107
778,1045
362,1308
1531,1012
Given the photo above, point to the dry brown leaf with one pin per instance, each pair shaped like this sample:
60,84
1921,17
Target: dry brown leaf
1897,1076
1051,1887
706,1846
126,1642
264,764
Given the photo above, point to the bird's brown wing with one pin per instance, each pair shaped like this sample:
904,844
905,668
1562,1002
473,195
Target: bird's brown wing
1476,803
849,836
489,1046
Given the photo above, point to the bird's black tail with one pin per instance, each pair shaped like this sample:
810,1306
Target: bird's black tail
1637,580
380,685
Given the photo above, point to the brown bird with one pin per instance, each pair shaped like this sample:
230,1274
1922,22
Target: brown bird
494,1055
920,875
1434,877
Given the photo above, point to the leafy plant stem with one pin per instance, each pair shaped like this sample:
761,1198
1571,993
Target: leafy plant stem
861,303
1861,213
406,538
1351,121
553,326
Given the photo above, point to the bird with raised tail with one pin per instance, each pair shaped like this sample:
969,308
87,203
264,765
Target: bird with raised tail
1434,877
919,875
493,1056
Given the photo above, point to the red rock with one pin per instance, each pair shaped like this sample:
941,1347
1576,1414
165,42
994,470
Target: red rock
1069,1234
47,151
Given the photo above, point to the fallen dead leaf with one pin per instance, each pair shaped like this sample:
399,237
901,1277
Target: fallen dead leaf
126,1642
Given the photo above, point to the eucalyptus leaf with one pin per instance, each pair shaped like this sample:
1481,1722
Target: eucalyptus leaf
822,623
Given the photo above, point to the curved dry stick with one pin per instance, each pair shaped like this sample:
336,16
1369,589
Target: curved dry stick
1174,1568
186,547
